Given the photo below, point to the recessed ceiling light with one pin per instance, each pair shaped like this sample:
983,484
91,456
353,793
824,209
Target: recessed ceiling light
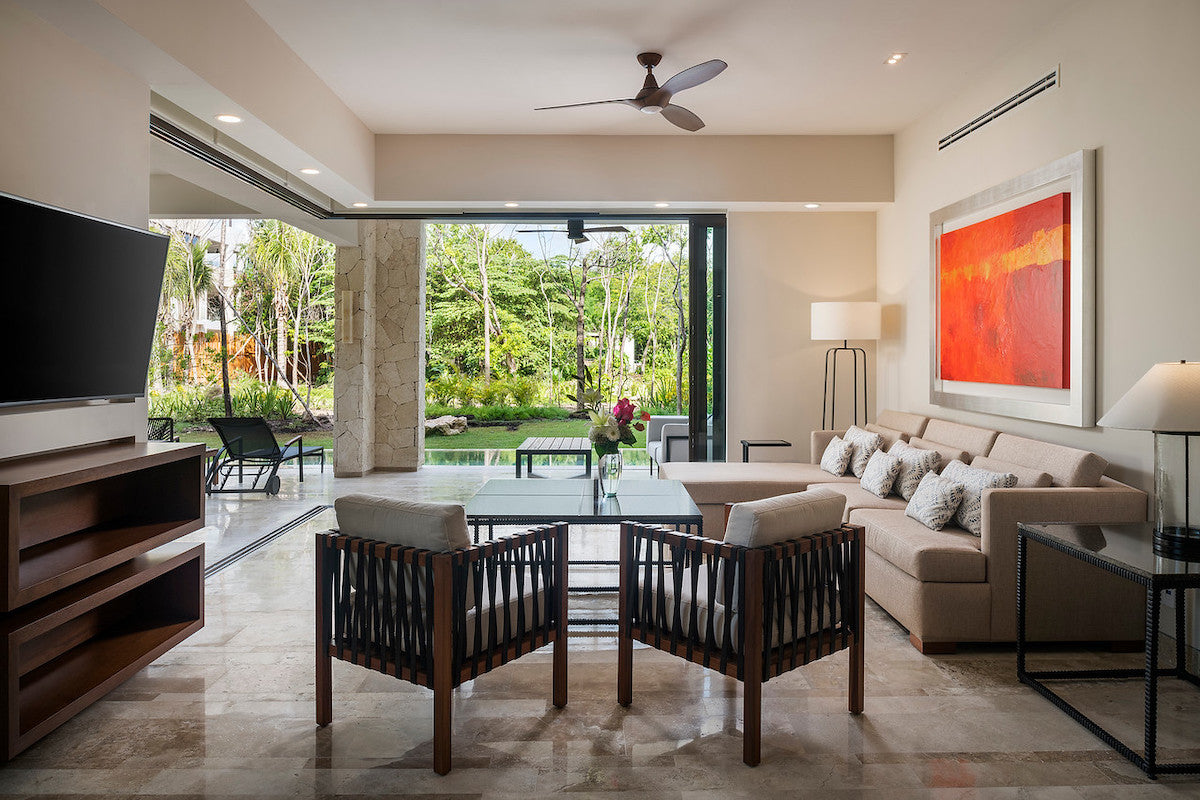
511,204
311,171
812,205
894,58
228,118
662,205
359,205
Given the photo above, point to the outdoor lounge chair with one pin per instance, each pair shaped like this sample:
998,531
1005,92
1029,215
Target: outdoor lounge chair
784,588
248,445
160,429
401,590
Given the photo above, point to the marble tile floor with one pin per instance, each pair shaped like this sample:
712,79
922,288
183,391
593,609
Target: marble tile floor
230,712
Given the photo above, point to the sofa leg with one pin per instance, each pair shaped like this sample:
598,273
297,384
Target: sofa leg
933,648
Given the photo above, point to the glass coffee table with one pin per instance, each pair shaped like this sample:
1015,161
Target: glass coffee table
1128,551
515,501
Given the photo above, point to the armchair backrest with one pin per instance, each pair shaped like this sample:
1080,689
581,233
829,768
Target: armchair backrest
655,425
437,527
777,519
246,437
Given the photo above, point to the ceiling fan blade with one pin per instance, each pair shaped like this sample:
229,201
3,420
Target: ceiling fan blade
610,229
593,103
540,230
681,117
693,76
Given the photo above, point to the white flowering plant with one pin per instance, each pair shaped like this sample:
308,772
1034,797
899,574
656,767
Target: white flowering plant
611,429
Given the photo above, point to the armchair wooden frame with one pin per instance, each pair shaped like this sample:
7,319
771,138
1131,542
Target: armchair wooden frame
403,611
796,601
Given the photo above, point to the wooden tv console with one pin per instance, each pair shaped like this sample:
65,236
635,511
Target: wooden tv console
94,585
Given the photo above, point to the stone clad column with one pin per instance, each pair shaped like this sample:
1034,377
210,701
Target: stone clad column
399,345
379,367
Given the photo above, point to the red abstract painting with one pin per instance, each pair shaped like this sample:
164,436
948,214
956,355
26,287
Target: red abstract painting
1004,288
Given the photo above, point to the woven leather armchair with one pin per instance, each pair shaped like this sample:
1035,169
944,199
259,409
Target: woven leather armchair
438,619
751,613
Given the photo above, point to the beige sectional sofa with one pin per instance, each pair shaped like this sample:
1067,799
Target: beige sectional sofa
950,586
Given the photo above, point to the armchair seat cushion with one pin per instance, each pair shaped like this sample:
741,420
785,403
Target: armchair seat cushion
950,555
821,616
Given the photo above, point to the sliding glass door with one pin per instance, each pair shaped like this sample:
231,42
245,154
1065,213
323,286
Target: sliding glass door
706,338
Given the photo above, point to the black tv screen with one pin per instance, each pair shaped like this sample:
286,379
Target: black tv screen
78,298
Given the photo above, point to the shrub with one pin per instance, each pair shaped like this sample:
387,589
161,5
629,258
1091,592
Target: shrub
525,391
492,393
266,400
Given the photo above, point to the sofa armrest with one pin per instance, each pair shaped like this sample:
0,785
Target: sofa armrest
818,441
1004,508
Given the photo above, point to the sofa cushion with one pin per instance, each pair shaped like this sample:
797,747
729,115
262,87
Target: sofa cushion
934,502
880,473
837,456
950,555
947,452
858,497
1066,465
1027,477
890,435
777,519
865,444
735,482
975,479
914,463
906,423
976,441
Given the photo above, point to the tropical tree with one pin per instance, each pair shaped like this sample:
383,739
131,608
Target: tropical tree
187,277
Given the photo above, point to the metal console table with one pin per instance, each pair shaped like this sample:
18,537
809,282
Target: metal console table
512,501
1128,551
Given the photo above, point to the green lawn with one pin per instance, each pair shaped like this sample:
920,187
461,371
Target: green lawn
489,438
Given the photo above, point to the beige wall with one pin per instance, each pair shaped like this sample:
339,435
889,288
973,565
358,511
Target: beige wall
779,264
1128,90
634,169
74,135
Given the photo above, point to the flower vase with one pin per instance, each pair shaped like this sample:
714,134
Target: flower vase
611,466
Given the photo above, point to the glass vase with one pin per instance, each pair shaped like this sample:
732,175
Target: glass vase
611,467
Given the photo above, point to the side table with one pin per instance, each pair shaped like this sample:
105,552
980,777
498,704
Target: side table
748,443
1127,551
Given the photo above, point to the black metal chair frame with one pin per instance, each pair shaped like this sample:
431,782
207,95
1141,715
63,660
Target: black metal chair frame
161,429
423,638
778,589
262,455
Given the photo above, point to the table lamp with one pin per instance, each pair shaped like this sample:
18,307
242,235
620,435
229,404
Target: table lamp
1166,400
845,321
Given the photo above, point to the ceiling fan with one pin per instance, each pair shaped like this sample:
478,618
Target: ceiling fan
655,99
575,230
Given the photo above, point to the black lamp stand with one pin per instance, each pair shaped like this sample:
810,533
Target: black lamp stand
829,401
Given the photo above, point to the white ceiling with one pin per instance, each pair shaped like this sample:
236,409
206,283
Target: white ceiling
795,66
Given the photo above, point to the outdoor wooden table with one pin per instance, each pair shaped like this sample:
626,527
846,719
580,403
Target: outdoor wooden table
553,446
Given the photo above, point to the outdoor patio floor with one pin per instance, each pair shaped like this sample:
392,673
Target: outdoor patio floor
230,713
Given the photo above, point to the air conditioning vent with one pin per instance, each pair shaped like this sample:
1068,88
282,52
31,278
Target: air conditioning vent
1049,81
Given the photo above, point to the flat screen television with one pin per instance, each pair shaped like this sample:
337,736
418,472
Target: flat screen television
78,299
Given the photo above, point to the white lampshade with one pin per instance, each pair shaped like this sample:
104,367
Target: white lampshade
845,321
1166,400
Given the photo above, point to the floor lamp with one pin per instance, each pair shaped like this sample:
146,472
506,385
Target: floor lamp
1166,400
844,321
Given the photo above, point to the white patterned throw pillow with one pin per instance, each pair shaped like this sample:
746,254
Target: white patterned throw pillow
836,456
880,474
914,464
865,444
935,501
975,480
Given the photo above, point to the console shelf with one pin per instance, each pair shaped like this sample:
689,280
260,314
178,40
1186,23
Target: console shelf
94,586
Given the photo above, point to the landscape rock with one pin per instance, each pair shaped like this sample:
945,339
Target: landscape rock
448,425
